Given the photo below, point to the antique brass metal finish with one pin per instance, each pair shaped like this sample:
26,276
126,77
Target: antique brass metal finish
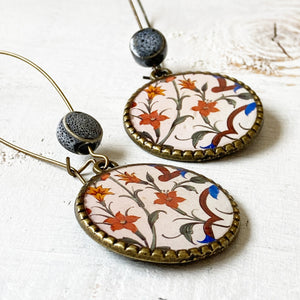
157,255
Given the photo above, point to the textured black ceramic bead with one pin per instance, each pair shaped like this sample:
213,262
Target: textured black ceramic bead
77,131
148,47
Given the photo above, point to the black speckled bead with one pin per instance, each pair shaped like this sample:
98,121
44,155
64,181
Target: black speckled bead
148,47
77,131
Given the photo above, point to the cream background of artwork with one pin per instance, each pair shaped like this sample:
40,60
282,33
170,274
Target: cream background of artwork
181,137
169,221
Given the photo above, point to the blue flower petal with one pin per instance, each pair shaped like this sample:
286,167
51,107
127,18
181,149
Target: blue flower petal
214,191
216,76
237,86
250,108
208,239
211,146
182,172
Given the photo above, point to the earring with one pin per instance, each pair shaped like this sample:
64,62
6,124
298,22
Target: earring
151,212
189,116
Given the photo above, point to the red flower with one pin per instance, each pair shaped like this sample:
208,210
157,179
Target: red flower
205,108
188,84
122,222
170,199
133,104
88,211
170,78
99,192
129,178
153,119
153,91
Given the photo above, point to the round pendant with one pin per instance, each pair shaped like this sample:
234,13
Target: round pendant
157,213
193,116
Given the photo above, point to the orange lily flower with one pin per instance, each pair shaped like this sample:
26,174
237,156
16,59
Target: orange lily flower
129,178
188,84
153,119
205,108
170,199
99,192
153,91
122,222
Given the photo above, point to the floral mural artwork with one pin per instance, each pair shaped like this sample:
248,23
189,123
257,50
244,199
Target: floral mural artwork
170,199
153,91
205,108
187,84
129,178
99,192
193,111
122,222
153,119
158,206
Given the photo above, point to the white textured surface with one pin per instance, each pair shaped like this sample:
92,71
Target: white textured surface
44,254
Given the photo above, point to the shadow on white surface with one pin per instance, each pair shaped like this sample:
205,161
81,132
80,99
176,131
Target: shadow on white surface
269,136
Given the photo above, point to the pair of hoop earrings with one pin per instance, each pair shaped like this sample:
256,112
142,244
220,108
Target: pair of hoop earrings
154,212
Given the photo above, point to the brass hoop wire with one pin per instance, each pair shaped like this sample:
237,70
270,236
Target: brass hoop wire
136,14
54,84
72,171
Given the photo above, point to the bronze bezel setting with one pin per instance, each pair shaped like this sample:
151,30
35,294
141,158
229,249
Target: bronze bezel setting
167,152
156,255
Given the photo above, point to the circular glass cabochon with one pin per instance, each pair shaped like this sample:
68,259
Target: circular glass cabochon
193,116
157,213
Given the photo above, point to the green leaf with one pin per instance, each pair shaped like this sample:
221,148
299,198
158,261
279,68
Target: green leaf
169,146
153,217
197,136
135,193
189,188
140,235
206,120
231,101
157,132
149,178
215,126
181,120
153,103
174,99
187,231
165,248
143,111
127,210
147,135
204,87
137,199
245,96
128,240
125,196
198,179
185,96
179,103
